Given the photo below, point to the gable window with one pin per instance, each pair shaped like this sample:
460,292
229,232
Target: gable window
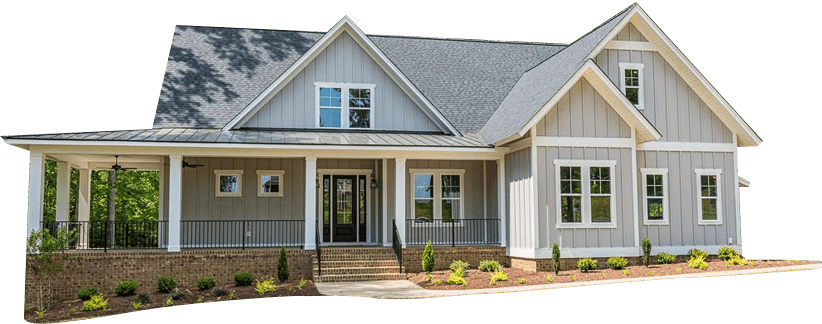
655,182
586,193
632,83
270,183
345,105
437,195
710,193
229,183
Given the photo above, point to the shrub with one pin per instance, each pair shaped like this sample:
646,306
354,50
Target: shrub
617,263
136,305
282,266
437,282
521,280
651,273
243,279
428,258
698,262
665,258
489,266
206,283
555,258
199,299
693,253
143,299
126,288
266,286
177,294
646,251
169,301
752,263
586,264
626,272
231,295
548,278
457,278
573,277
735,260
96,302
85,294
678,270
726,253
499,275
301,284
458,264
218,293
166,284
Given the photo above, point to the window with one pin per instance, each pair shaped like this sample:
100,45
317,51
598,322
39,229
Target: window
335,101
586,197
710,203
270,183
632,83
655,182
437,195
229,183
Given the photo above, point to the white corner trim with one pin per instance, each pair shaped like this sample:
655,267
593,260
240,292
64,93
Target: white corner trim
687,147
584,142
634,186
630,46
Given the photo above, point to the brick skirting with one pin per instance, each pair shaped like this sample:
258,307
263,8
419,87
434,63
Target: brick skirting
444,255
105,269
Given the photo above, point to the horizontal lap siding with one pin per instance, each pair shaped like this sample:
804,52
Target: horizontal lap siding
683,203
582,112
520,206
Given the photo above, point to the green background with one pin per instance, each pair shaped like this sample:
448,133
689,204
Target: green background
99,66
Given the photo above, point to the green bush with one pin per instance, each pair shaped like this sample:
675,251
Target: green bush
243,279
166,284
498,275
555,258
218,293
646,251
96,302
126,288
177,294
693,253
735,259
726,253
489,265
665,258
85,294
265,286
206,283
586,264
428,258
458,264
616,262
282,266
698,262
457,277
143,299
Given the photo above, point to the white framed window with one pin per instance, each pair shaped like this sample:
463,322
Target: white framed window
586,196
655,196
709,186
344,105
270,183
228,183
437,194
632,82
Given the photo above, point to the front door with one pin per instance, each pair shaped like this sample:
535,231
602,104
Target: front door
344,208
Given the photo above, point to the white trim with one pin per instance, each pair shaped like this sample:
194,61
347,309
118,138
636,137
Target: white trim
585,179
501,198
534,194
384,198
37,168
665,195
687,147
719,213
743,183
634,186
599,252
640,92
737,203
520,145
443,171
237,173
175,201
344,101
345,171
281,181
584,142
399,197
310,187
437,195
629,46
62,192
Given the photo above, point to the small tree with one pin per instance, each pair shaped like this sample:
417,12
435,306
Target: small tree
646,251
555,257
428,258
282,266
45,259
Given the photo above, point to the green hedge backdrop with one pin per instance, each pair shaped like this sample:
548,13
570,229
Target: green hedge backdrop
70,67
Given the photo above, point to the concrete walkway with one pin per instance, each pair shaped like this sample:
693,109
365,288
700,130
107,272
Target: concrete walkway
404,289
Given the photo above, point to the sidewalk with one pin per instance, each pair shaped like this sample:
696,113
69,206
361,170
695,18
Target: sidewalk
404,289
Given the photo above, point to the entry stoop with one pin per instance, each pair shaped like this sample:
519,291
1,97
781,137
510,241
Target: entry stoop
358,264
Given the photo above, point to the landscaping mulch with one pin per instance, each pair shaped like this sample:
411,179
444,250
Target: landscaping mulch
62,310
478,280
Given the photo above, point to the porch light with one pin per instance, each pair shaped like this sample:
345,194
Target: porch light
374,183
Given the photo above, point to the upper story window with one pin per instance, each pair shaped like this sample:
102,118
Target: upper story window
710,196
586,193
655,182
345,105
632,83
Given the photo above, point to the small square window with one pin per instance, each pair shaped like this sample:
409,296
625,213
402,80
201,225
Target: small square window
270,183
229,183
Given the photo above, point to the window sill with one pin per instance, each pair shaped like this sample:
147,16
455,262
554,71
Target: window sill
278,195
709,223
586,226
655,223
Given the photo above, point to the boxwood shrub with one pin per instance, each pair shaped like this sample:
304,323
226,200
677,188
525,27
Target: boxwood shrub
586,264
243,279
617,263
665,258
85,294
126,288
166,284
206,283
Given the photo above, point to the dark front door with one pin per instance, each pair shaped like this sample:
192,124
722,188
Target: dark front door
344,208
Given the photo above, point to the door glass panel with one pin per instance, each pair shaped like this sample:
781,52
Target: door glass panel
361,199
344,201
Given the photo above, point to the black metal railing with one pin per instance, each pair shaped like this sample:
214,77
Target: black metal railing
484,231
107,235
397,244
319,250
241,233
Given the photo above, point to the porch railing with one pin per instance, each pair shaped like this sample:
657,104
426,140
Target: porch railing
107,235
397,244
241,233
484,231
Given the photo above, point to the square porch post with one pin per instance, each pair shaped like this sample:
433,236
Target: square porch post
175,206
399,198
63,191
37,169
501,198
310,203
83,206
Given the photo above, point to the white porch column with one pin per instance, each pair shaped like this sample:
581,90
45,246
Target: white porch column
83,205
501,198
386,241
63,191
399,198
175,199
310,202
37,168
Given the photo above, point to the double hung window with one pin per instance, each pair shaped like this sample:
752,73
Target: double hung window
655,184
586,193
710,193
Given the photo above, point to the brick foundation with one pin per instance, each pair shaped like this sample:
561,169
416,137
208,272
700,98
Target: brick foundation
571,263
444,255
105,270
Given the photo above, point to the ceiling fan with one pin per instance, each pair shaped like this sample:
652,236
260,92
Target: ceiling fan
118,167
191,165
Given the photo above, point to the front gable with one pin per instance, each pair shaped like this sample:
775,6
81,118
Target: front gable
583,112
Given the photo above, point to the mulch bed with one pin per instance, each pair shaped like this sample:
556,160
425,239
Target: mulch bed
62,311
477,279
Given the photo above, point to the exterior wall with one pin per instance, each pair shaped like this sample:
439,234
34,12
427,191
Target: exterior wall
582,112
444,255
669,103
342,61
520,206
630,33
683,203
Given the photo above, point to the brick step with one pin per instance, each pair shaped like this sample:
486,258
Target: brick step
360,277
358,257
356,250
360,270
357,263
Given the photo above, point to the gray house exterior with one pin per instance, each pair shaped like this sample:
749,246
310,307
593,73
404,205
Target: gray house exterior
309,139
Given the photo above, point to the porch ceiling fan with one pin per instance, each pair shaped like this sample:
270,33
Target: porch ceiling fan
191,165
118,167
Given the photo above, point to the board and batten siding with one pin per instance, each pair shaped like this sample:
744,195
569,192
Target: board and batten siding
582,112
683,228
630,33
669,103
346,62
519,205
471,186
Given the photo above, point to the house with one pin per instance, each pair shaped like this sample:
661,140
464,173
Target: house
319,141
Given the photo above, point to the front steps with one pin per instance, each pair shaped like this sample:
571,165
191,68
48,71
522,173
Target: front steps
357,264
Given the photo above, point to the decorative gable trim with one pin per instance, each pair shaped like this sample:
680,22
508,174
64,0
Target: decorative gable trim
348,26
